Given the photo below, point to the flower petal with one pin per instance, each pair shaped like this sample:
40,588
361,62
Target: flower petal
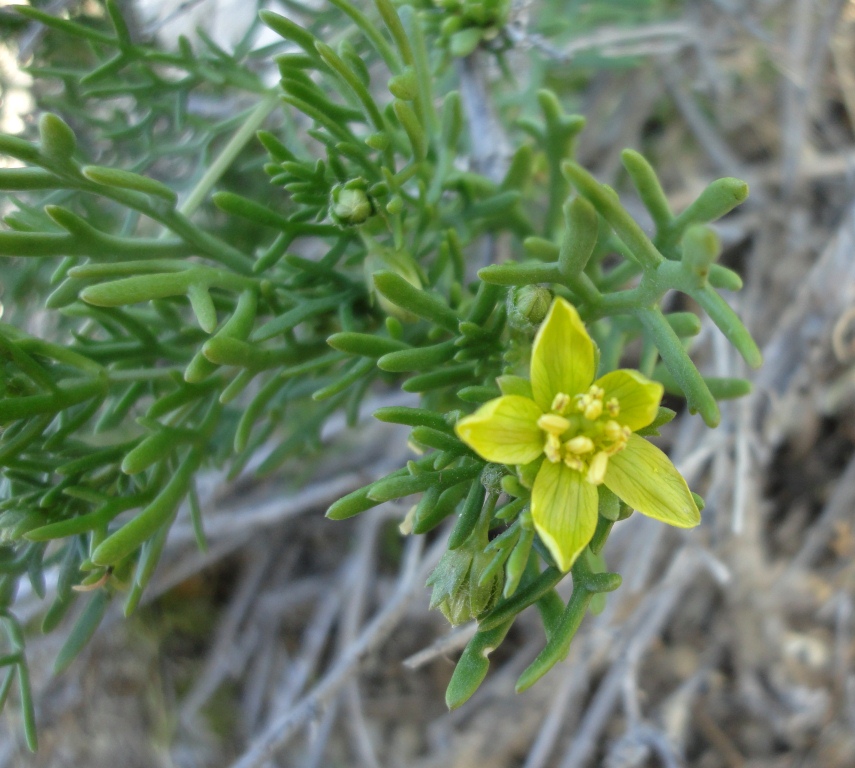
644,478
639,397
564,510
504,430
562,359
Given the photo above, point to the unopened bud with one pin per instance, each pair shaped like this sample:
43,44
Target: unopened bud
350,204
527,306
491,478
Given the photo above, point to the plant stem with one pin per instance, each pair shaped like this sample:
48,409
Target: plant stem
229,153
142,374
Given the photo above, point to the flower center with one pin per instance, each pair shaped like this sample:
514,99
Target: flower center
582,432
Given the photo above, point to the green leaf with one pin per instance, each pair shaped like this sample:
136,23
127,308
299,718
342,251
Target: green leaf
365,344
203,307
412,127
57,139
469,515
133,534
398,487
114,177
421,303
473,665
82,631
417,358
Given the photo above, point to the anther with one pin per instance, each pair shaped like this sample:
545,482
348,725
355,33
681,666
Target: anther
613,430
613,406
574,462
593,410
579,445
552,449
597,470
553,423
560,403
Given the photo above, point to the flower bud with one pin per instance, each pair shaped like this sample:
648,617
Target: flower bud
527,306
455,581
491,478
350,203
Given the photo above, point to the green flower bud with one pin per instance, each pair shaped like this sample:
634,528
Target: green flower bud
527,306
350,203
456,591
491,478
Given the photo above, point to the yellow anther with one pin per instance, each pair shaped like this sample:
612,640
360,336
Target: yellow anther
553,424
560,403
613,406
579,445
582,402
613,430
596,392
618,435
574,462
597,470
552,448
593,410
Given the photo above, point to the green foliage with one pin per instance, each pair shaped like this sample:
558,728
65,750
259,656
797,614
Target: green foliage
179,245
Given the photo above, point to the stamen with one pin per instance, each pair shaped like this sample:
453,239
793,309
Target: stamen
574,462
593,410
560,403
579,445
596,392
619,439
597,470
613,406
552,449
553,423
613,430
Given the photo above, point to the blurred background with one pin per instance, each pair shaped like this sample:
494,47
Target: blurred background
296,641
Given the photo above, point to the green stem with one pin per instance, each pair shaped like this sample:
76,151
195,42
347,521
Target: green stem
586,584
235,146
142,374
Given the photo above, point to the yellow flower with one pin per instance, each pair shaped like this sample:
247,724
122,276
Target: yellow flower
584,428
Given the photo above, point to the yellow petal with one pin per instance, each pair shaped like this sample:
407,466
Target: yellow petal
564,510
504,430
644,477
639,397
562,359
